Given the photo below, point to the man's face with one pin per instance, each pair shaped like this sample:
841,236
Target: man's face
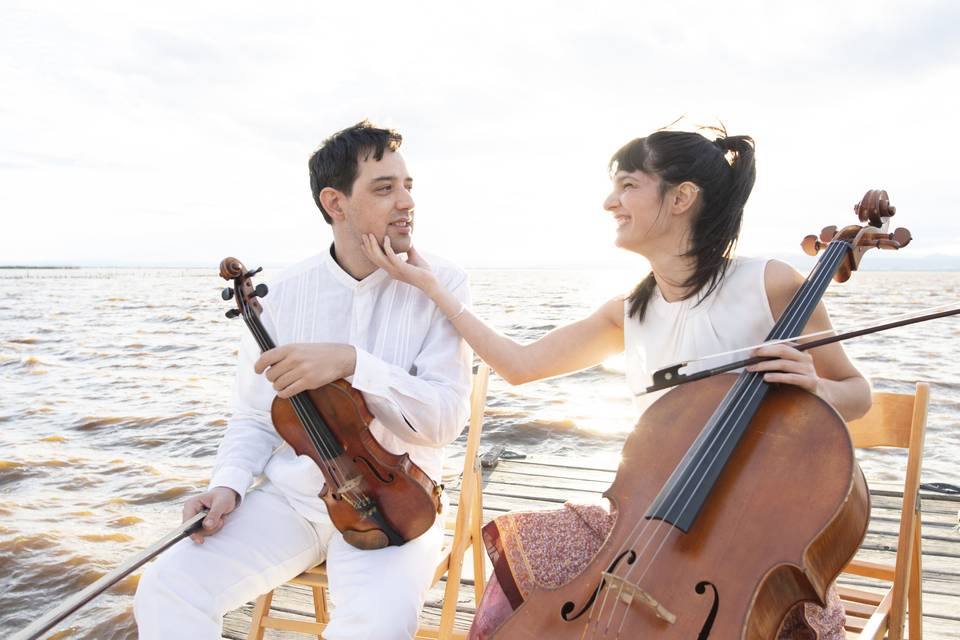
381,202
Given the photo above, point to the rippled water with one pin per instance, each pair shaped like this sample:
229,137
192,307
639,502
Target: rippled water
115,386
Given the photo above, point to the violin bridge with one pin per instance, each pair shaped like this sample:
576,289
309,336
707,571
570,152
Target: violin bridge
627,592
349,485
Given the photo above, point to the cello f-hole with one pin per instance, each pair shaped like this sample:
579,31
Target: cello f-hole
570,605
708,623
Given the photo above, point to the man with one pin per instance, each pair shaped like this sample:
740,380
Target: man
335,316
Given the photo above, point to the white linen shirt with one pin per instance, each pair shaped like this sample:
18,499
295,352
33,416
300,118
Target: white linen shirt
413,370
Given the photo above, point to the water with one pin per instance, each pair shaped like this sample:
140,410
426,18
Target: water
115,386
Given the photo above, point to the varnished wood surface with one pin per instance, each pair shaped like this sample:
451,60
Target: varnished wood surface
541,482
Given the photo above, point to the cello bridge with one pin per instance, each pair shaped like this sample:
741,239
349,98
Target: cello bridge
627,592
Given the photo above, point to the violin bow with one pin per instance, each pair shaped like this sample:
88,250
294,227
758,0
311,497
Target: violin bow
671,376
43,624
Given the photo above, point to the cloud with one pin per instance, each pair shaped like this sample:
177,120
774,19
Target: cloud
127,118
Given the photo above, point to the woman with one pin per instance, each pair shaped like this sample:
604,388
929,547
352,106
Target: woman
677,200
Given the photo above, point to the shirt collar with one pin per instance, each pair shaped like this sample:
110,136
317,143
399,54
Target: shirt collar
347,280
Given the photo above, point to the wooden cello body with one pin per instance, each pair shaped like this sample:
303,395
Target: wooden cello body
749,557
735,499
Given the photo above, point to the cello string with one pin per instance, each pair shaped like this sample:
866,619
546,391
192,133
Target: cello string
791,321
788,318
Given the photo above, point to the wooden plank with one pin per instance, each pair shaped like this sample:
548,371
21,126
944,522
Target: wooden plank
544,482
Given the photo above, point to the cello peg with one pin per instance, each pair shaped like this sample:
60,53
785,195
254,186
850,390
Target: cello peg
902,237
260,290
227,293
827,234
232,313
811,245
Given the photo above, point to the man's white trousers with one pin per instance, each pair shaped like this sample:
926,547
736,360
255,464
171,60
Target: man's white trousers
375,595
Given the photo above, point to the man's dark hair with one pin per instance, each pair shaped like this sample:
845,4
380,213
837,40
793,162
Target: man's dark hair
336,163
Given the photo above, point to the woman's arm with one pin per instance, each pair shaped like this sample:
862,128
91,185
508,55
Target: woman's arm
569,348
825,371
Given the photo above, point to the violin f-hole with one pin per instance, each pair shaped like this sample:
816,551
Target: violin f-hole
390,477
569,605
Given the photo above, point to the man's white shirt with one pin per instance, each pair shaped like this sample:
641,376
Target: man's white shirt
413,370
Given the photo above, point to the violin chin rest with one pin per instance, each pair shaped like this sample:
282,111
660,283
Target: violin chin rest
366,540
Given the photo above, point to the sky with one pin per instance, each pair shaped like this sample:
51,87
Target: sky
177,133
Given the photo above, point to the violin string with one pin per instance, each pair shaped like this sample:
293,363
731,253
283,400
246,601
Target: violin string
263,339
789,317
313,431
320,442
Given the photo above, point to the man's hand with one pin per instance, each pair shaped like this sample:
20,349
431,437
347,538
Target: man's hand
219,501
293,368
790,367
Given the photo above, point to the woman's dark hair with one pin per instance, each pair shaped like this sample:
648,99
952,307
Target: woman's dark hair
724,169
336,163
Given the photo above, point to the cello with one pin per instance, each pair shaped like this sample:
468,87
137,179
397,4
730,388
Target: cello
375,498
717,535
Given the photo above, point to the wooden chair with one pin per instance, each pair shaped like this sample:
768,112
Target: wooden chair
464,525
894,420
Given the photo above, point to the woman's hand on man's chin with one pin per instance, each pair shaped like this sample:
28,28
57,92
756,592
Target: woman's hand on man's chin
415,270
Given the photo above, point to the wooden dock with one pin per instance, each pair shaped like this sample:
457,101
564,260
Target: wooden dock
540,482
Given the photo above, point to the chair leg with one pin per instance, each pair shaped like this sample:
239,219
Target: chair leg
260,609
915,588
320,606
479,564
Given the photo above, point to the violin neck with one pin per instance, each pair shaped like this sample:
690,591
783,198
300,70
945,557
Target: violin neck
316,427
686,491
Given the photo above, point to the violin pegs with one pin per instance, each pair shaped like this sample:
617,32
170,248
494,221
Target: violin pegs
260,290
232,313
227,293
827,234
811,245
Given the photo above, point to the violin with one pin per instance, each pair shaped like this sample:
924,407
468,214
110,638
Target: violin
375,498
735,499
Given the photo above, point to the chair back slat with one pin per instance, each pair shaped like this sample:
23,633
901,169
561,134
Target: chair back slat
887,424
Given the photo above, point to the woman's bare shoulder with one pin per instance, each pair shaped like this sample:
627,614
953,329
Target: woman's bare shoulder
781,282
613,310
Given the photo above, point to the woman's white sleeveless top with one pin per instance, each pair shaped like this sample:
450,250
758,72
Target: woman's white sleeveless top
735,315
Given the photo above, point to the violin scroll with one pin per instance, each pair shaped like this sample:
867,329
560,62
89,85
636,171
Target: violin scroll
243,290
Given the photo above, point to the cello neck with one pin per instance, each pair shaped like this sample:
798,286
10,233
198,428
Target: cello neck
686,491
808,296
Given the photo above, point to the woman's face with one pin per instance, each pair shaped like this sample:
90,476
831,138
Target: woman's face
638,209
